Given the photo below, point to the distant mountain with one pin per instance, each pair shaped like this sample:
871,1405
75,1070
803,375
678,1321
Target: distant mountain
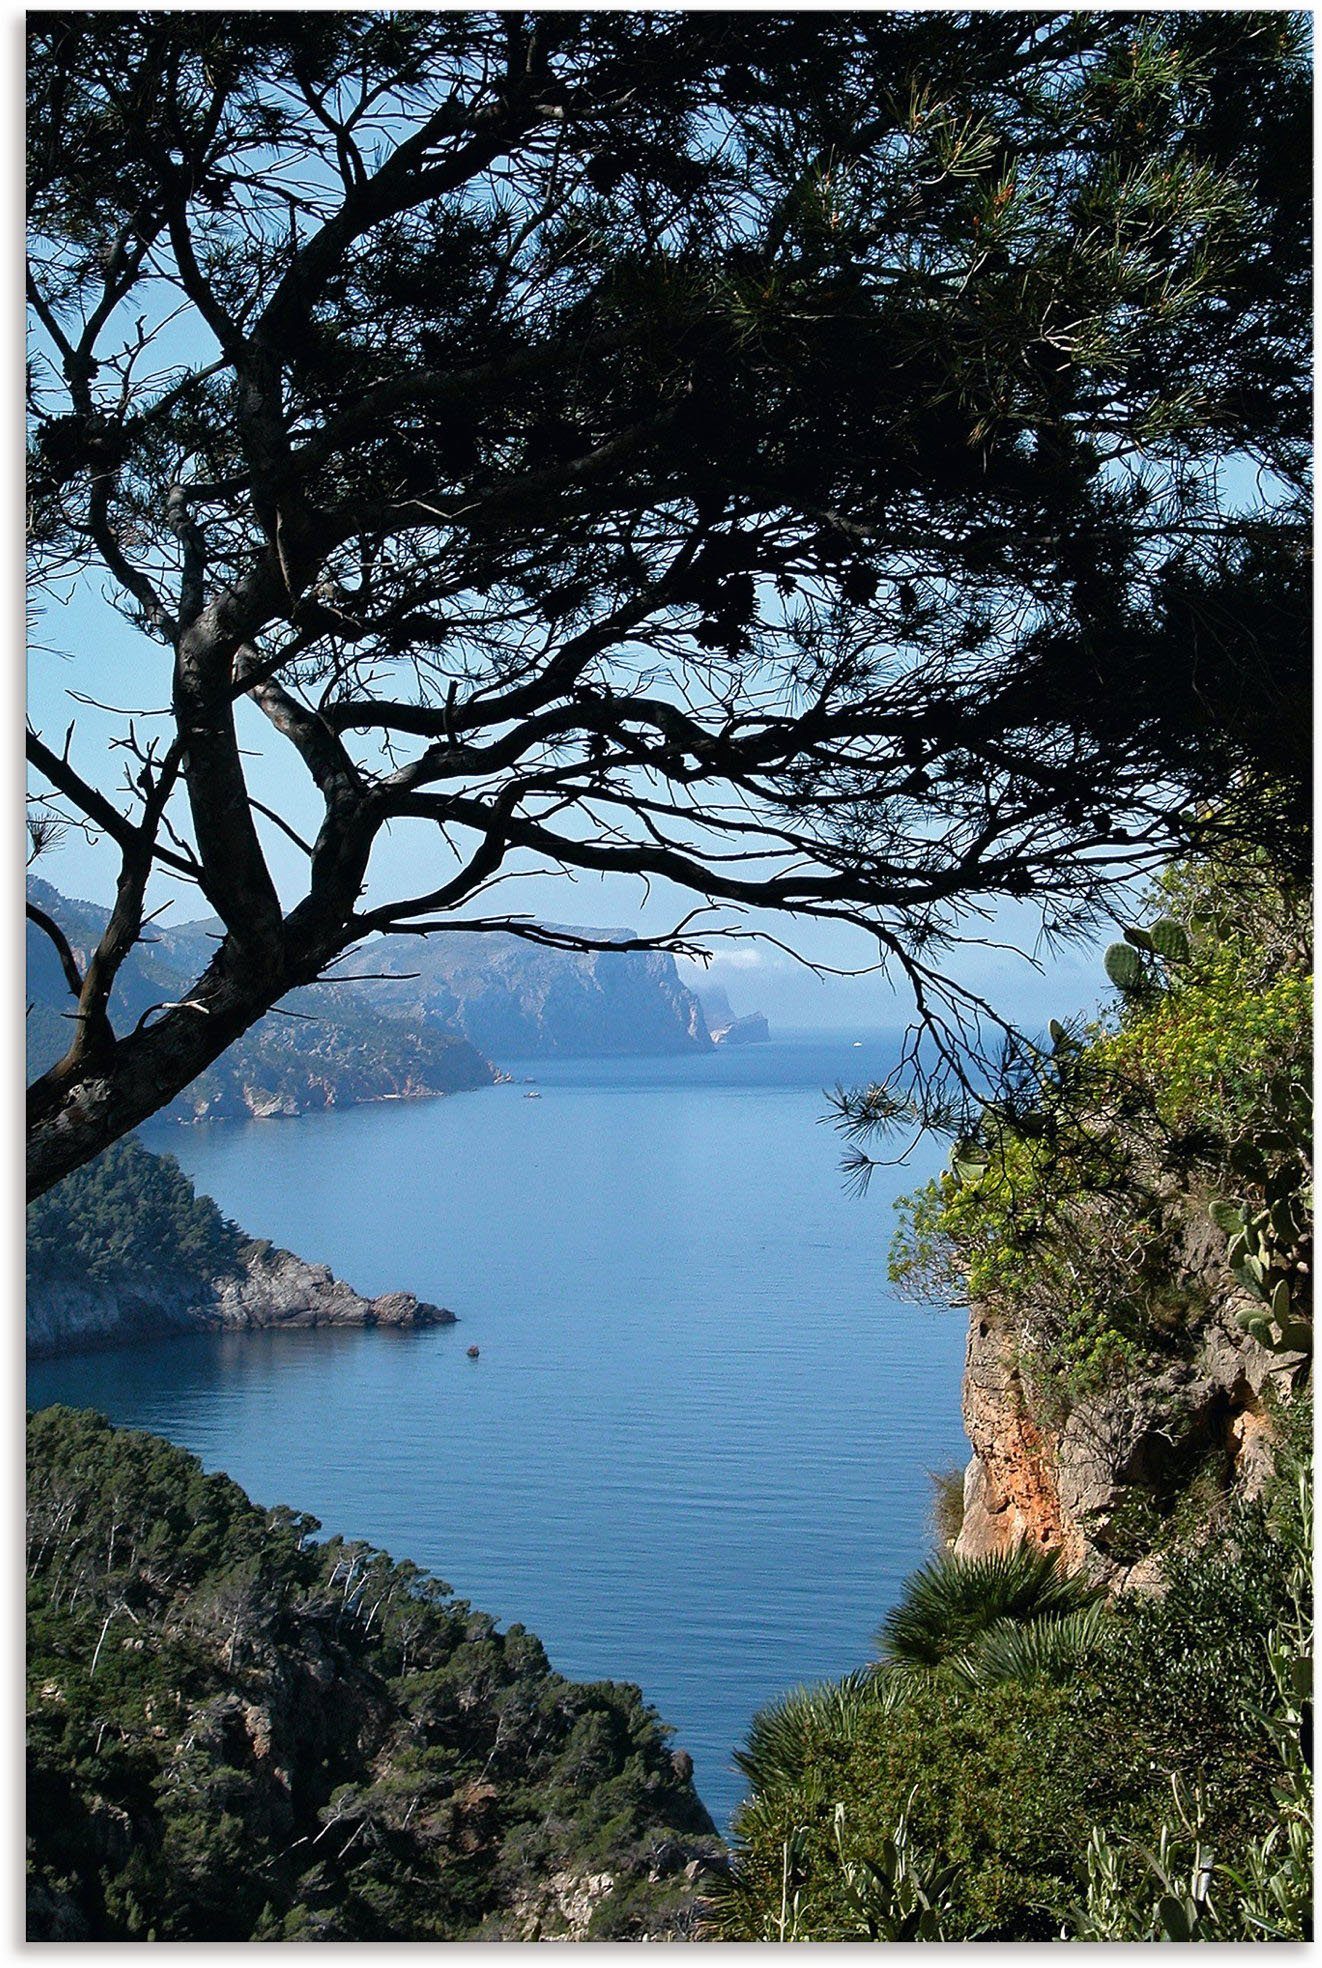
326,1046
450,1004
514,999
725,1026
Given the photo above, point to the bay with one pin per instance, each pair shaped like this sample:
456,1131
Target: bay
694,1450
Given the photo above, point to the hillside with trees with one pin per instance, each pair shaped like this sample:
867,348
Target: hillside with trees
126,1252
130,1219
240,1732
318,1048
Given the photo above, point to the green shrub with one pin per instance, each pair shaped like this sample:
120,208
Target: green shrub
1006,1792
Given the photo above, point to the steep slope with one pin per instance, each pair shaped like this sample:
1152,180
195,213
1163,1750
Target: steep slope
322,1047
1137,1243
236,1733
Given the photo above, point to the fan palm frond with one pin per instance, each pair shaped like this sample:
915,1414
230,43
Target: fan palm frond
785,1740
1050,1649
951,1602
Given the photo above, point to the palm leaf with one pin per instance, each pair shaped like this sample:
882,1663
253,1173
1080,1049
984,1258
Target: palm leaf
951,1602
1048,1649
785,1740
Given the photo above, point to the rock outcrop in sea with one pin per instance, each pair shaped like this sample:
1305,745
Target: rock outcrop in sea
727,1027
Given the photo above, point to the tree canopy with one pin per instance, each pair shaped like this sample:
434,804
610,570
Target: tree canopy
131,1217
798,458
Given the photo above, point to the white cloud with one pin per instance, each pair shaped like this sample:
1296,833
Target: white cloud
725,960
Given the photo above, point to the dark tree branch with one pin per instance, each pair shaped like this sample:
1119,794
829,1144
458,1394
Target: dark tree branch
72,974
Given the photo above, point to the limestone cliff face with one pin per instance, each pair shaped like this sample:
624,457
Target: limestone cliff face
270,1288
511,999
1096,1482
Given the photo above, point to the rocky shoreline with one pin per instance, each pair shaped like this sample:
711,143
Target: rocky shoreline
272,1289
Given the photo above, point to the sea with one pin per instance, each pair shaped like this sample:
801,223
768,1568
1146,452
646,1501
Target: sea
695,1450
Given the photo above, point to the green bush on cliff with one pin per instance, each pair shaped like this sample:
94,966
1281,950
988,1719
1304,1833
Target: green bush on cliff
1002,1796
236,1732
1064,1202
128,1217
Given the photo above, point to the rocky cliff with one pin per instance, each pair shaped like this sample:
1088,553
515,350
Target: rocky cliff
725,1025
269,1288
441,1009
513,999
1098,1479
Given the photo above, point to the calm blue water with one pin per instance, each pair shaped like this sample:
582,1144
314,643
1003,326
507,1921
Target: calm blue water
694,1451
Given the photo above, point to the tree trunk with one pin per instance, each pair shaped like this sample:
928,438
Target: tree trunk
77,1109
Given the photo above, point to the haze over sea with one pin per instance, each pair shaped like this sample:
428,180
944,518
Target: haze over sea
694,1451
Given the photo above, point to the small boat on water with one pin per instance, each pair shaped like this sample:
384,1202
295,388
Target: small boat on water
532,1096
474,1352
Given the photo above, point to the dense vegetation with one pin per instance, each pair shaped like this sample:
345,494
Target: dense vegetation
1076,1197
239,1733
129,1218
1146,1773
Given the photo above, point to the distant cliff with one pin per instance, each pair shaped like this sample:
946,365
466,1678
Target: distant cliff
126,1250
327,1046
514,999
725,1025
447,1005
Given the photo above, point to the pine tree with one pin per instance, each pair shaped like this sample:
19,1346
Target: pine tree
798,458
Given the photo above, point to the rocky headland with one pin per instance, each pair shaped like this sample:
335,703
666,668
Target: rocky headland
429,1020
126,1251
726,1026
325,1046
270,1289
